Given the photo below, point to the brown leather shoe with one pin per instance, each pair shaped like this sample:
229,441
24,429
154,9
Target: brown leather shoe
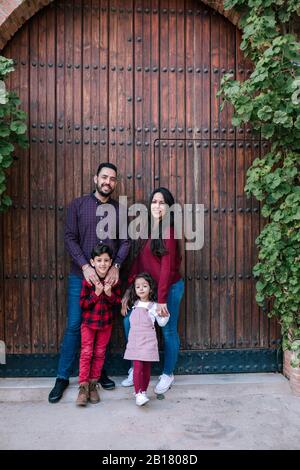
94,395
83,394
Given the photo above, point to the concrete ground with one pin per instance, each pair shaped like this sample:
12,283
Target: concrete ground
240,411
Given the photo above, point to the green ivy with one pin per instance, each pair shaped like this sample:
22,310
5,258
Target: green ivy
270,101
12,129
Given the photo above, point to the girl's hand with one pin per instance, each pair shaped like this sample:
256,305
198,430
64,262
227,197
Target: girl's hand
107,289
99,288
125,303
162,310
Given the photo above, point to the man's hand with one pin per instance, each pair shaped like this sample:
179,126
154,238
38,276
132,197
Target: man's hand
107,289
90,275
162,310
112,276
99,288
125,303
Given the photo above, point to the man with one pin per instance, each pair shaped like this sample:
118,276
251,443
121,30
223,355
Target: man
80,238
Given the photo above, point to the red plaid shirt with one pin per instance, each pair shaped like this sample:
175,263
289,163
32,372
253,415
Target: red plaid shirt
97,311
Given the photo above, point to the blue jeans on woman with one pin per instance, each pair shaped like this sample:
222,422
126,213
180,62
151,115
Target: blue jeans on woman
170,331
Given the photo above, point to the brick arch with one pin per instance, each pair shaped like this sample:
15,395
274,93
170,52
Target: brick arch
14,13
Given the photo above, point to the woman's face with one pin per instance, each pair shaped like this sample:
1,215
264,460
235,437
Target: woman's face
158,206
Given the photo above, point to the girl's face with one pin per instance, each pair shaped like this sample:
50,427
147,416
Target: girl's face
142,288
101,263
158,206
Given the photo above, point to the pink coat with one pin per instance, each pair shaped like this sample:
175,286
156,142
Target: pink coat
142,340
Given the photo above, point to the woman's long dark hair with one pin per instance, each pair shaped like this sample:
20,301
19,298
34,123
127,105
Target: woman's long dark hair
132,294
158,247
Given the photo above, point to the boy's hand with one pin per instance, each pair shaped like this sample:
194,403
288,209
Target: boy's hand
99,288
107,289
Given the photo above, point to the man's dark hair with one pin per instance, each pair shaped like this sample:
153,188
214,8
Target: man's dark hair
107,165
100,249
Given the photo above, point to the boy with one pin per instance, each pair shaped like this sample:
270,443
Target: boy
97,303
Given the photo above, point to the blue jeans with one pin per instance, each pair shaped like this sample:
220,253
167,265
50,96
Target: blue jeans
170,331
71,340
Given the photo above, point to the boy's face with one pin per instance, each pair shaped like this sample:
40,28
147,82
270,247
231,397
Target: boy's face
101,263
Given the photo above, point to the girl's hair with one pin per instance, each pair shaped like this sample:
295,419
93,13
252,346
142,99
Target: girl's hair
132,294
100,249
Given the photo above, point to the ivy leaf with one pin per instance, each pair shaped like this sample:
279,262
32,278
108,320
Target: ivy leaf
5,202
4,130
3,93
297,122
265,113
6,161
267,130
18,127
6,147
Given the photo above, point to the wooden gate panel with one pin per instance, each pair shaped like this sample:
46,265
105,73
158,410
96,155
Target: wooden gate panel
140,101
223,44
62,261
42,185
197,271
223,244
16,288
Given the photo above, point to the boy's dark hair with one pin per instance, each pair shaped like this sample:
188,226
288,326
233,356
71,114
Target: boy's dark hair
152,294
100,249
107,165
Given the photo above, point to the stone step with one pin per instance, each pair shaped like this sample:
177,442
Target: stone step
37,389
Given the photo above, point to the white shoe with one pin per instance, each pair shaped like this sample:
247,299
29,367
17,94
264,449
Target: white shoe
165,382
141,398
128,382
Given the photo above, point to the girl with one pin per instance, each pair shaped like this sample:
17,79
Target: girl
142,346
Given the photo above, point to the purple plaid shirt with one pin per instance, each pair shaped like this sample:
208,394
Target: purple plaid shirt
81,236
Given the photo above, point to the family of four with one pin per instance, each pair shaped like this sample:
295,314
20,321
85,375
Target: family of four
154,289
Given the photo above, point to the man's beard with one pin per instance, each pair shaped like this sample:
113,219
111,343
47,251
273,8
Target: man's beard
102,193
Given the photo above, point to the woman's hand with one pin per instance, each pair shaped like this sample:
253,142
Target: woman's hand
125,303
162,310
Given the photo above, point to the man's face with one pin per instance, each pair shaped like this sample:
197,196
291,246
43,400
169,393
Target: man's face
106,181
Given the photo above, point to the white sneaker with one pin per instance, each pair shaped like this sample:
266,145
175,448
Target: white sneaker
165,382
128,382
141,398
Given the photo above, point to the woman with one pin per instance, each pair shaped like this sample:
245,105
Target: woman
160,257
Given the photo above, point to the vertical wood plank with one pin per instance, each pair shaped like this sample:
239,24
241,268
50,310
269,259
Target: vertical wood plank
62,260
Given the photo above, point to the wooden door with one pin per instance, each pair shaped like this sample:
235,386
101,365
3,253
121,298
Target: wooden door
132,82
